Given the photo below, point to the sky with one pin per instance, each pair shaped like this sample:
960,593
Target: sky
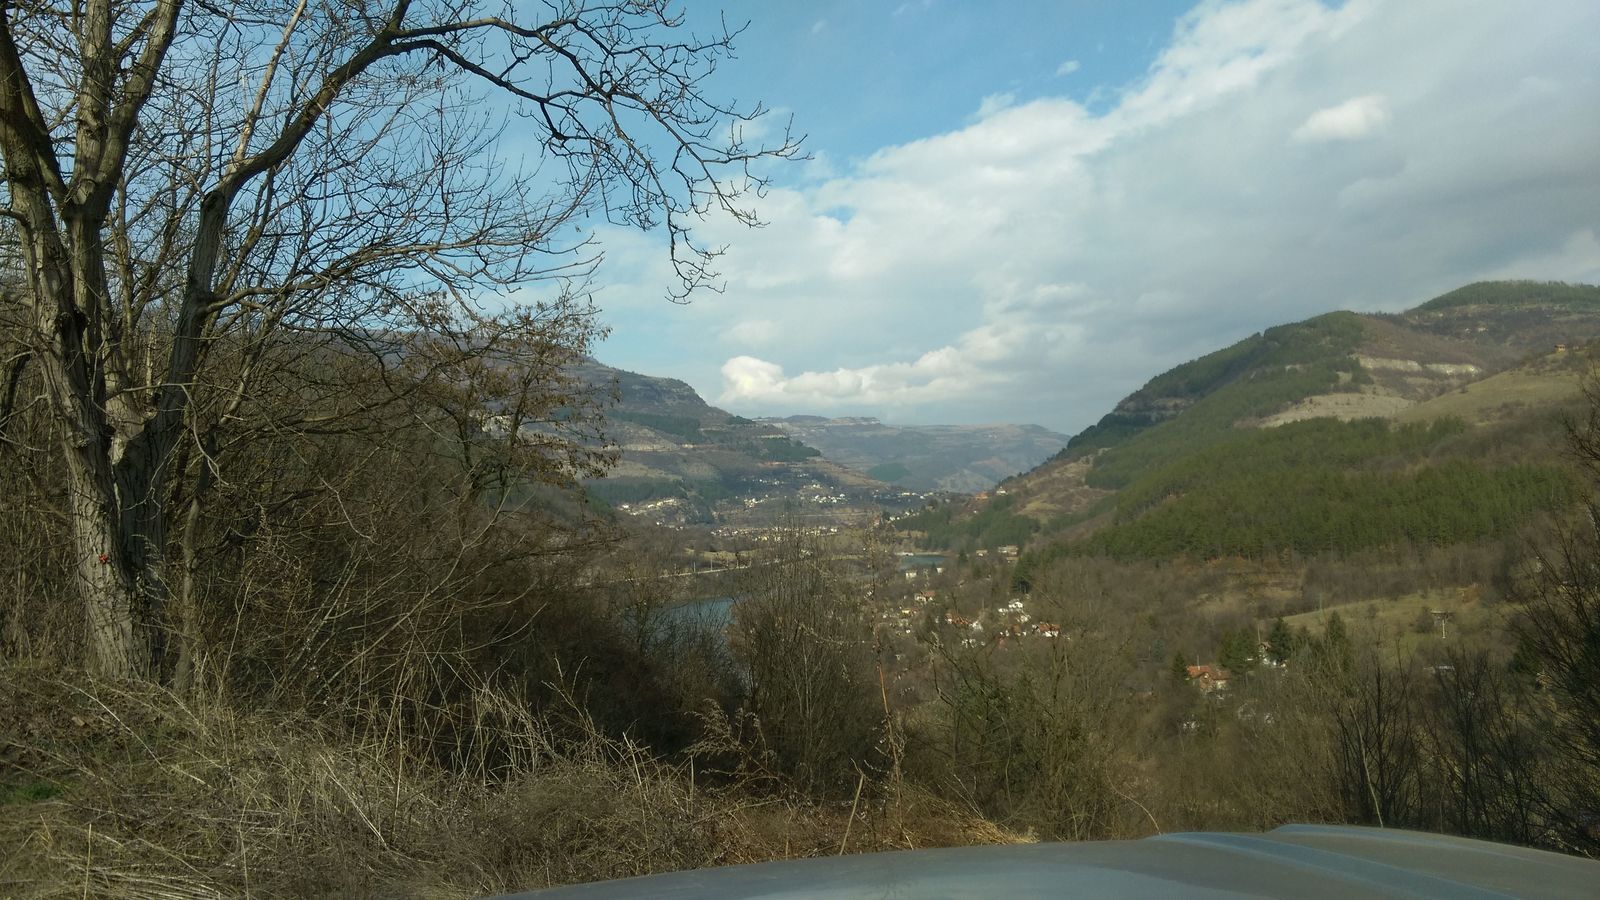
1022,212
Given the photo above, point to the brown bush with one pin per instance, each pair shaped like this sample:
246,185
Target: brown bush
131,792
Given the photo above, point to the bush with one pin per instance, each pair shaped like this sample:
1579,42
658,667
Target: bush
140,794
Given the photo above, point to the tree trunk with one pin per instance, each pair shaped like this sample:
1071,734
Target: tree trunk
114,481
105,583
118,534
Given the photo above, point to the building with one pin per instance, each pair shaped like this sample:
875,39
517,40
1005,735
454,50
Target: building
1209,678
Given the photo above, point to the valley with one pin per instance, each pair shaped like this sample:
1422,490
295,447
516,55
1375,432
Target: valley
1438,431
465,449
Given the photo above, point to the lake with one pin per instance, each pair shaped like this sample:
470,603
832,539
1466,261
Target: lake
921,561
711,612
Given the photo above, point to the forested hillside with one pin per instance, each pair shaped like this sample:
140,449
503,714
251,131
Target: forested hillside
1326,486
1260,448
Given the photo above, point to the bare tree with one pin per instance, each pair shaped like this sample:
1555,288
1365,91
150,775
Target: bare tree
198,190
1377,759
804,649
1559,625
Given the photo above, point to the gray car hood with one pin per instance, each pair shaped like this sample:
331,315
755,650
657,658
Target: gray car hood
1305,862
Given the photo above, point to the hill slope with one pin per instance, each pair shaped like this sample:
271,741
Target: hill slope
686,461
963,458
1483,359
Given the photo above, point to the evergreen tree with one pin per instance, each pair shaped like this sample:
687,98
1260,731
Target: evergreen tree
1282,640
1179,668
1238,651
1335,644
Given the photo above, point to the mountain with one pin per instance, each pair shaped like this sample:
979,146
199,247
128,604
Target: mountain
685,461
1239,451
960,458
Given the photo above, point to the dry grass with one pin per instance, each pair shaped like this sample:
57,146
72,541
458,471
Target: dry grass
1394,622
108,790
1540,384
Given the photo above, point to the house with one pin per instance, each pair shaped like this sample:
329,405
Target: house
1209,678
1014,605
1047,629
1561,348
951,617
924,596
1009,551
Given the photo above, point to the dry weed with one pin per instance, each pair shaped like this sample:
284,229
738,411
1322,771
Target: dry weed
145,795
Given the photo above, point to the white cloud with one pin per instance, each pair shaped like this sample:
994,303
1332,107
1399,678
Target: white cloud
1355,118
1577,259
994,103
1044,259
753,332
1068,67
745,377
935,374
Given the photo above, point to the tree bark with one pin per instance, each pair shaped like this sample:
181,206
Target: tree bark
113,483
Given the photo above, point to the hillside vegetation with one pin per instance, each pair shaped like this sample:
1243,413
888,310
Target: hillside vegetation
1485,353
674,446
1253,378
1342,433
1518,293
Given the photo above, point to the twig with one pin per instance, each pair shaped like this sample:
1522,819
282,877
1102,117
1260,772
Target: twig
860,782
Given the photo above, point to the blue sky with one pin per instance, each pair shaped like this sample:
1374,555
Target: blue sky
859,76
1021,215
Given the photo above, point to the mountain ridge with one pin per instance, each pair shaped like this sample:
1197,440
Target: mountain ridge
1503,357
956,458
683,461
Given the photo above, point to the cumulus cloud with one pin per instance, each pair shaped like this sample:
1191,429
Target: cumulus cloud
937,373
1068,67
753,332
1353,119
994,103
1045,259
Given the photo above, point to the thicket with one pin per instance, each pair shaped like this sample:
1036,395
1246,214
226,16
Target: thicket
1325,486
784,449
889,472
1489,736
616,491
412,687
1317,511
947,525
1310,446
685,427
1251,378
1518,293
